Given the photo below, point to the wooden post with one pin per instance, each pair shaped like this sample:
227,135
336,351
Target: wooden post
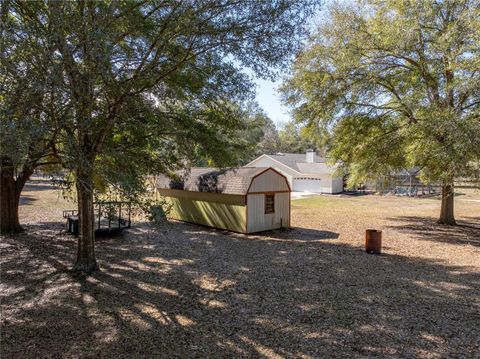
119,213
410,186
129,213
99,214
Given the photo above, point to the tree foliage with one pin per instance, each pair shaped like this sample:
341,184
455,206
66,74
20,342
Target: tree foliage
152,84
295,138
290,138
30,103
395,84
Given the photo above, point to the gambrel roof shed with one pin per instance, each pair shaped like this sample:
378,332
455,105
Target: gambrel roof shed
247,199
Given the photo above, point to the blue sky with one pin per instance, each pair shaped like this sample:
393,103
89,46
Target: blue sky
269,99
267,95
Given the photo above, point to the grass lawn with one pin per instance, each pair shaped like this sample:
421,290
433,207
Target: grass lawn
186,291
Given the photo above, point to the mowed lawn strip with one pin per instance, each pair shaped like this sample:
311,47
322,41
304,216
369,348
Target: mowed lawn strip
408,224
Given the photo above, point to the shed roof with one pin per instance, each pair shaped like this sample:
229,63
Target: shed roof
203,179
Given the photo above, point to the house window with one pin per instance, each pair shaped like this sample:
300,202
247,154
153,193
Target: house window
269,203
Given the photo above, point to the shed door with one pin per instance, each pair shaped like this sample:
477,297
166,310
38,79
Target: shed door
307,184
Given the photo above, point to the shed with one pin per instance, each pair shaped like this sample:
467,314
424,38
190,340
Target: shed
245,200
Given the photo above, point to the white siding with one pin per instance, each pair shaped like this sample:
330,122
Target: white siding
269,181
280,167
258,221
326,184
337,185
289,178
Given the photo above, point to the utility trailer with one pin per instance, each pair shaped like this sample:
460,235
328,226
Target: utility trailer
109,218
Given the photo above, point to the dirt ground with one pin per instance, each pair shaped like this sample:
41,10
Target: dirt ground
185,291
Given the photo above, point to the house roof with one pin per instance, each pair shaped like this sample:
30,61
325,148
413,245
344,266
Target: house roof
316,168
203,179
293,159
297,162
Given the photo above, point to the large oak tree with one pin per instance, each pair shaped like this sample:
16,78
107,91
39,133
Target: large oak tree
395,84
119,58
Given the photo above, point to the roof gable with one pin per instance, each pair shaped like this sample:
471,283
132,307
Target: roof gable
272,162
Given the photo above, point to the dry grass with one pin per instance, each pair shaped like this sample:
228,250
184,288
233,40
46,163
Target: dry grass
187,291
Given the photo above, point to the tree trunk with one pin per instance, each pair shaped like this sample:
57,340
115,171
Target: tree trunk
447,209
86,261
10,189
9,199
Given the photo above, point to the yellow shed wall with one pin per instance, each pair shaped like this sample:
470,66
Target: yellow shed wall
209,209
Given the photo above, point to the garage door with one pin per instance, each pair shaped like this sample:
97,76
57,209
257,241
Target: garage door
307,184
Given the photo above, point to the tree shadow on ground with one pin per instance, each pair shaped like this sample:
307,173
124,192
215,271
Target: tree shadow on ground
354,193
466,232
39,185
27,200
184,291
296,234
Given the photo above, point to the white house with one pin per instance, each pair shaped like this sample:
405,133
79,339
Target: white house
304,172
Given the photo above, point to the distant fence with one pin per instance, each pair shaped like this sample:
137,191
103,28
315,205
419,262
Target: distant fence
467,183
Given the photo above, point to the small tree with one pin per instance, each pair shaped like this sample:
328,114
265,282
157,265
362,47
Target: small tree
395,84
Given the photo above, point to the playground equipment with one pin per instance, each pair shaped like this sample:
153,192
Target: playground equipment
109,217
